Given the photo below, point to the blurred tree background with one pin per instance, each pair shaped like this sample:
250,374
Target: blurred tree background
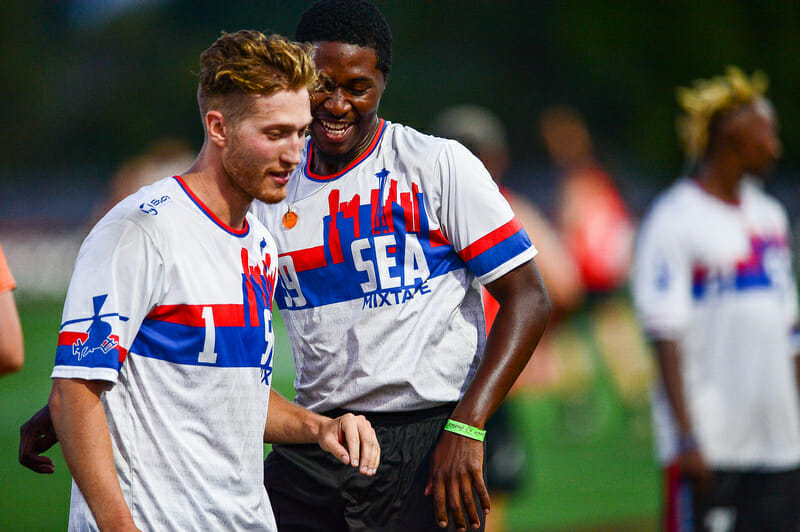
88,83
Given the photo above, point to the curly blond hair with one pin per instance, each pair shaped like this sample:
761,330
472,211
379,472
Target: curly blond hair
248,62
708,100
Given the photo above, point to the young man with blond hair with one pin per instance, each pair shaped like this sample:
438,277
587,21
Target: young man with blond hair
161,389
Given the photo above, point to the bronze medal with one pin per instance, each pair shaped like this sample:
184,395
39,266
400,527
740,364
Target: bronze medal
289,219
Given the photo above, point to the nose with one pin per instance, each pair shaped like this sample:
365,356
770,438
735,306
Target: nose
291,154
776,147
336,103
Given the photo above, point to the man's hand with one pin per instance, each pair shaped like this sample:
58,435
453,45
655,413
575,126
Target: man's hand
457,472
694,467
36,436
352,440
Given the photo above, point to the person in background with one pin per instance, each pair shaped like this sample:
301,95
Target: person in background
483,133
597,228
590,213
12,348
714,291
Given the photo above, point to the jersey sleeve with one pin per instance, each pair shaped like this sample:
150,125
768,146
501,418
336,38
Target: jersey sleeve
477,219
662,279
117,279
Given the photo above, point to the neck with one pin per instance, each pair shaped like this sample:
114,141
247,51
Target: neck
211,184
721,180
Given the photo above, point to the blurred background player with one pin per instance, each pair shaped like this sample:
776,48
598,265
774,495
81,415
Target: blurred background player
714,290
597,228
12,349
590,213
483,133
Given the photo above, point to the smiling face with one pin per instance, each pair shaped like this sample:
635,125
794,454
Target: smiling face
263,147
345,110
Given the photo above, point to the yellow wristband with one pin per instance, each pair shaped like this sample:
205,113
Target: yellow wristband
463,429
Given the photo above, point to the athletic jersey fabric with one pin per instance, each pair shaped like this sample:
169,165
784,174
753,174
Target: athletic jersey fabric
173,308
6,279
379,278
716,278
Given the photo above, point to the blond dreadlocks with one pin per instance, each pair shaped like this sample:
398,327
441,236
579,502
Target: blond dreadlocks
710,99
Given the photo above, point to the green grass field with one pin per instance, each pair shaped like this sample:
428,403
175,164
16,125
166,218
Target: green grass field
591,464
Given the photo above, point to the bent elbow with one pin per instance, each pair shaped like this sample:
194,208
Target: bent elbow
11,362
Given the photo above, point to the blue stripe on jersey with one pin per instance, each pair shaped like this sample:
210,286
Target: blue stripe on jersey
65,356
500,253
347,280
236,347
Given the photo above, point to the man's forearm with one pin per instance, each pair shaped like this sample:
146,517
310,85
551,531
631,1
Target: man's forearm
290,423
669,365
520,323
82,428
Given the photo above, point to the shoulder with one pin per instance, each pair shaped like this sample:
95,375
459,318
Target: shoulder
673,208
410,143
753,192
153,210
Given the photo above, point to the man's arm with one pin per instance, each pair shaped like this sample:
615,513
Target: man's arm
12,351
457,461
691,458
350,438
81,424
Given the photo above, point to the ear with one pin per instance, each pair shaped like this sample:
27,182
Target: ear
217,128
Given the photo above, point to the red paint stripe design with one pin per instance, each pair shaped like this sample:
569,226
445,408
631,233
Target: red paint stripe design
227,315
487,242
437,238
307,259
364,155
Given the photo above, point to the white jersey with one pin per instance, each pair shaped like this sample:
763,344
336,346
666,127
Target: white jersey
379,278
173,308
716,278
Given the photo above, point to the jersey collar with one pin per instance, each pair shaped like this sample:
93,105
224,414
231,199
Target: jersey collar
202,206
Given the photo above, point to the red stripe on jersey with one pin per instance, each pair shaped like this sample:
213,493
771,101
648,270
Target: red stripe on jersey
490,240
227,315
437,238
307,259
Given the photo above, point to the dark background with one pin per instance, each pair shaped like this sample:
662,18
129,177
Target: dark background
87,84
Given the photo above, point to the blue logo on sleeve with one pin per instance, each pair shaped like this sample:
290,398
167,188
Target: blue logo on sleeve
98,335
150,206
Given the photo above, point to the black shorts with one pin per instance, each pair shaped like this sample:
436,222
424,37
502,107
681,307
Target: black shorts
311,490
737,501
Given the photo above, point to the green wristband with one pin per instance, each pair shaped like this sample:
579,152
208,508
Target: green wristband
463,429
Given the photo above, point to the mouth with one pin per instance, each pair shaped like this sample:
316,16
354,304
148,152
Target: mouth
282,178
334,131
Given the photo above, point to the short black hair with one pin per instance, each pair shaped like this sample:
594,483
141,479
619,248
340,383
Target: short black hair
348,21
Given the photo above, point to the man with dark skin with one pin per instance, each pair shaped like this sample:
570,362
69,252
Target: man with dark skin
383,239
714,290
371,329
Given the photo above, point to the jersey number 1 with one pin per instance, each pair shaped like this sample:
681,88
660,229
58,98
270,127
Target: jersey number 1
208,355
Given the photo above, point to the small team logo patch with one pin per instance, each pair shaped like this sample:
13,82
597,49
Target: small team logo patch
150,206
98,335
